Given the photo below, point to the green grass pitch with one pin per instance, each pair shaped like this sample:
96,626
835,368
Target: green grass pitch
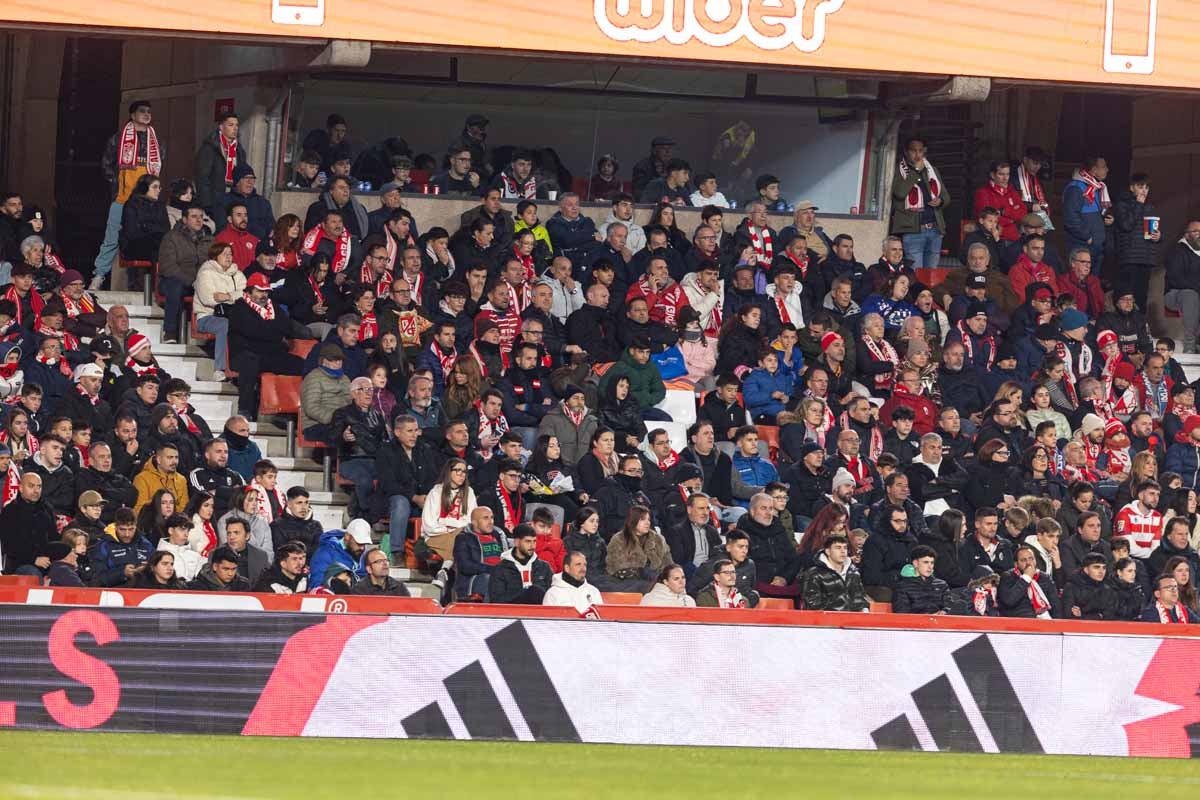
96,766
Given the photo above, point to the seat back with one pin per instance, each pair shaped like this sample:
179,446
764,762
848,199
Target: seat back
621,598
279,394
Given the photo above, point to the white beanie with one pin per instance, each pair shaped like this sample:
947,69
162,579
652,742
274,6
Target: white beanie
1091,422
843,478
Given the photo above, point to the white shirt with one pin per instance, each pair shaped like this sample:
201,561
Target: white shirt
933,508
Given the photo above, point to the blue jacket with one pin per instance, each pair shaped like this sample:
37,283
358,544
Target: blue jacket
109,558
242,461
427,361
1184,459
755,471
1029,355
1082,220
893,312
354,365
570,238
758,387
331,551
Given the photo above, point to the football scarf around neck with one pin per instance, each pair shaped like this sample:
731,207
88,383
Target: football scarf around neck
1037,597
127,151
1094,187
882,351
265,509
83,305
265,312
229,148
35,302
369,328
1181,613
510,505
575,417
1030,187
968,343
447,361
341,247
915,199
497,427
874,446
764,248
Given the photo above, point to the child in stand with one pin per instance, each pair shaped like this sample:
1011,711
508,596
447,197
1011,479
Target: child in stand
527,218
900,441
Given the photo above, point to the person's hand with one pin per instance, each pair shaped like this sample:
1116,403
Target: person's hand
632,441
626,254
473,177
568,283
1103,473
348,435
546,402
1075,612
418,499
778,581
573,348
131,447
1036,207
320,309
1057,504
339,278
1108,220
221,297
41,562
584,497
1141,193
130,570
729,433
941,613
1030,570
779,396
936,201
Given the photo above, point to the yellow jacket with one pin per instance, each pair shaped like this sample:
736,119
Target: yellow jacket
151,479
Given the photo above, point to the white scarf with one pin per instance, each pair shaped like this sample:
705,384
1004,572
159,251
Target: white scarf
915,199
760,240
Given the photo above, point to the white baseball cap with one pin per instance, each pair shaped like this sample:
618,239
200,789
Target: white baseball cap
360,531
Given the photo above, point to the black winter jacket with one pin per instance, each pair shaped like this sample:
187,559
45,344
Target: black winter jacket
144,223
1094,599
916,595
114,487
1133,249
1013,595
883,556
772,548
286,528
971,555
506,584
824,589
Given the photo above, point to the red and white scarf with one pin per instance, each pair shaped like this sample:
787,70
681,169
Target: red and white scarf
1119,461
968,343
1124,405
185,416
69,342
1093,186
230,148
74,308
264,503
60,362
83,393
30,446
874,449
341,247
417,284
316,287
265,311
1030,187
474,353
447,362
575,417
665,464
380,285
489,427
509,507
883,351
733,599
127,151
35,302
915,199
979,599
1074,473
1037,597
1181,613
12,483
139,369
369,328
210,538
764,248
801,263
527,262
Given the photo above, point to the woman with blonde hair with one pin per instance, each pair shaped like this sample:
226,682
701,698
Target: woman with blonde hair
1015,394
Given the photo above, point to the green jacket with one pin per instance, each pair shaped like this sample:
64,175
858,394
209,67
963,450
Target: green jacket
905,221
645,381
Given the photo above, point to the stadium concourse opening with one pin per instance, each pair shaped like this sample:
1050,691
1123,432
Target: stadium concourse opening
459,362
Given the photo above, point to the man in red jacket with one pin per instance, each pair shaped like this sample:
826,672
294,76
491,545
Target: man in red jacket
908,393
1080,283
1030,268
1002,197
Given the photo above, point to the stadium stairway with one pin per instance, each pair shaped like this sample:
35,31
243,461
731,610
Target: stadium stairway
216,402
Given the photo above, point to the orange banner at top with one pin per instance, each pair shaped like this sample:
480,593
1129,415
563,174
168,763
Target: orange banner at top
1125,42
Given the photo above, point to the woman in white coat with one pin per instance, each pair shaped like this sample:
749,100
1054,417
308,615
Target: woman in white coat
218,282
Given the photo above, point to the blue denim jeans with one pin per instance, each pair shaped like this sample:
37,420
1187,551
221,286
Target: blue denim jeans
174,290
924,249
112,230
362,472
399,509
218,327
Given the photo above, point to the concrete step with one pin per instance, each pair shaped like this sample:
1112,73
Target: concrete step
108,299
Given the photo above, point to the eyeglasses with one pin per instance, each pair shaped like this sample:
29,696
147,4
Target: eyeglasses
727,572
377,561
459,469
534,332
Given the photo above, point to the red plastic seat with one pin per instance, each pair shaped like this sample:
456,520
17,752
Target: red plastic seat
775,604
279,394
770,435
580,186
621,598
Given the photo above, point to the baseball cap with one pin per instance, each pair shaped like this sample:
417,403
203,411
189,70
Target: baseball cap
360,531
978,281
88,370
390,186
91,498
331,352
258,281
807,205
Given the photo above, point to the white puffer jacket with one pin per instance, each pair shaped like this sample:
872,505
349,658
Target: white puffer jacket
211,279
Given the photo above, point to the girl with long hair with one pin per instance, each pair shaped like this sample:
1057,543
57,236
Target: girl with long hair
447,509
463,387
287,236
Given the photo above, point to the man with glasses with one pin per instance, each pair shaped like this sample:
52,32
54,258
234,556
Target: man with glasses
377,580
1081,284
374,271
886,552
459,180
1166,607
619,492
1003,424
723,591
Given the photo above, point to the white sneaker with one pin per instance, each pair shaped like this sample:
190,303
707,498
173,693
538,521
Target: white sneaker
97,282
440,579
218,377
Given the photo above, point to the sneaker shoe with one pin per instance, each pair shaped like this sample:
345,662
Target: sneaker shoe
440,579
218,376
170,338
97,282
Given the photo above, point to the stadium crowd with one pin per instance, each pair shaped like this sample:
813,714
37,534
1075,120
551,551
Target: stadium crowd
1006,442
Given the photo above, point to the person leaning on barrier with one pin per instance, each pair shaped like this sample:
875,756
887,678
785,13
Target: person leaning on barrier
571,587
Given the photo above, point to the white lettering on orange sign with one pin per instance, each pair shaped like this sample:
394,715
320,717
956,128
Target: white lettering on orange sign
767,24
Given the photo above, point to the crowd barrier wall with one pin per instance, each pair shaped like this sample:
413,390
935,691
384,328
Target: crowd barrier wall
770,679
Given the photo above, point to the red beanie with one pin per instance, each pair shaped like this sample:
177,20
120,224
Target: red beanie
828,339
